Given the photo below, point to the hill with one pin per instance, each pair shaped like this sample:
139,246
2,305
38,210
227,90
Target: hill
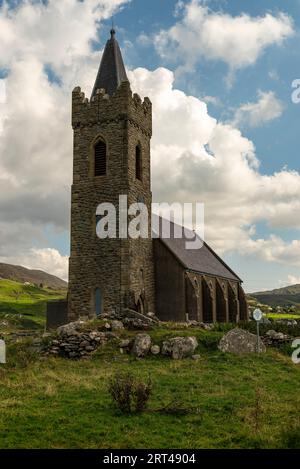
24,305
37,277
286,296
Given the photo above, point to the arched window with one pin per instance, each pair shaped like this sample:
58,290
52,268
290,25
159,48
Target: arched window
100,158
138,163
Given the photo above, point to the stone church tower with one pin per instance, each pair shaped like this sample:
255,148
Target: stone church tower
112,133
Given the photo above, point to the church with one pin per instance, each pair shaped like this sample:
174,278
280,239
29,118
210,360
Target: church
112,133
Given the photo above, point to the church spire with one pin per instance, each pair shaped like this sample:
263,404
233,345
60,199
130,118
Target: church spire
111,72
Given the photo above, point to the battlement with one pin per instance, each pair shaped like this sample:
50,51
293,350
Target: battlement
123,104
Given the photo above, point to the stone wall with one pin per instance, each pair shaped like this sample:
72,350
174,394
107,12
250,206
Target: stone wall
182,294
56,314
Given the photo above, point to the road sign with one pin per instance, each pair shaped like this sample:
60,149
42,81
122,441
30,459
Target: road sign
257,314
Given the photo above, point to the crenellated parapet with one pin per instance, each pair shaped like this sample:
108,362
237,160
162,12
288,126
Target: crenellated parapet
123,105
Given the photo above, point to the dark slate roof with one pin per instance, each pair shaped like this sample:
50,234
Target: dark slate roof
203,260
111,72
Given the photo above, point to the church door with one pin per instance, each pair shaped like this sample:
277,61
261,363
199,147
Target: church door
98,302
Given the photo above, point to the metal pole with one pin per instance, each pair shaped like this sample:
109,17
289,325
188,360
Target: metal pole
257,328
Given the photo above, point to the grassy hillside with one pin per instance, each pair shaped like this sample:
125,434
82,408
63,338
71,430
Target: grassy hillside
24,306
220,401
37,277
286,296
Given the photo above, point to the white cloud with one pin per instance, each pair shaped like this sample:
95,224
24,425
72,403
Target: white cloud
212,100
2,91
293,280
49,260
236,40
36,135
195,158
266,109
226,178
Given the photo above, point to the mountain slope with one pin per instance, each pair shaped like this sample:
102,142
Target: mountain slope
37,277
286,296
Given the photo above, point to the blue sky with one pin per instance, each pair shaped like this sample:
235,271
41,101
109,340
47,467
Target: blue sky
139,23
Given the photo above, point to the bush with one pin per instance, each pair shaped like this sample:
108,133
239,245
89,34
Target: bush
21,355
210,340
128,393
293,331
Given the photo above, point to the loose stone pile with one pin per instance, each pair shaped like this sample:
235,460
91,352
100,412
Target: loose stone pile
274,338
73,343
287,322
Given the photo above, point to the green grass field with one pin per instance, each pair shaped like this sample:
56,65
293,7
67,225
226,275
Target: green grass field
230,401
283,316
24,306
220,401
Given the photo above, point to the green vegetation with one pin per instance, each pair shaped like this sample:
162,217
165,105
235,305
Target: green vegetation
219,401
24,305
283,316
286,298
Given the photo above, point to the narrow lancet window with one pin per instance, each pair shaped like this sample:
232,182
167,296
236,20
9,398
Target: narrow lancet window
100,158
138,163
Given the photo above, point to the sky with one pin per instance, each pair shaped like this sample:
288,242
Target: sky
219,74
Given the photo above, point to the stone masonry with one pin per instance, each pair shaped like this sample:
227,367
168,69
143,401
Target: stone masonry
121,268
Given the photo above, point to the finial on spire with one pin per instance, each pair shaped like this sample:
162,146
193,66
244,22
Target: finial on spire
112,31
111,72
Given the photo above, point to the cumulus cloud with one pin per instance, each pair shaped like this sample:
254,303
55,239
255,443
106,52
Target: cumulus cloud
267,108
196,158
41,259
292,280
237,41
36,136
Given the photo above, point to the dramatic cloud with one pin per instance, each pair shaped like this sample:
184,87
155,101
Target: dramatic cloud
49,260
236,40
37,42
197,159
266,109
47,51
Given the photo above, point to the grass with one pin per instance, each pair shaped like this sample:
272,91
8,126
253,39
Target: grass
24,306
283,316
235,402
228,401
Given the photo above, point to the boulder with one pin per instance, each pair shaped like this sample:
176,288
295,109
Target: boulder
206,326
179,347
155,349
193,323
116,325
196,357
239,341
272,337
265,320
141,345
124,343
69,329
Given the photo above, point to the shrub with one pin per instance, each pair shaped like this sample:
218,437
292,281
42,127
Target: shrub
293,331
129,393
210,340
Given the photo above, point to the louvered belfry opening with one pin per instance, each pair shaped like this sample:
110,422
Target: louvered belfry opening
100,158
138,163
